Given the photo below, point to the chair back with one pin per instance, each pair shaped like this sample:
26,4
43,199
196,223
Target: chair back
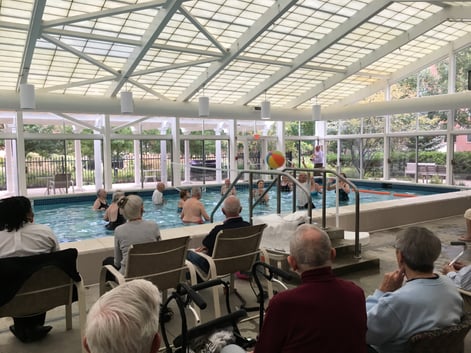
62,180
161,262
237,249
47,288
38,283
447,339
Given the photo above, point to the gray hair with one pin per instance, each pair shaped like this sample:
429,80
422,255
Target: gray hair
232,206
420,247
310,246
132,206
117,195
195,191
125,319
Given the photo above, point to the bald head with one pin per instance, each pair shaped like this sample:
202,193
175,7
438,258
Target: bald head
231,207
310,248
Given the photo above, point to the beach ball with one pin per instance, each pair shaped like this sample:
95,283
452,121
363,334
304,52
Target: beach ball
275,159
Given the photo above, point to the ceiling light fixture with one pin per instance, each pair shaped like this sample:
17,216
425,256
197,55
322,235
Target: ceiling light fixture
127,103
316,111
265,109
27,96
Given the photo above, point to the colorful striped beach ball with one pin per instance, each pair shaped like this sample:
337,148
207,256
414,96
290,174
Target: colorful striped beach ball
275,159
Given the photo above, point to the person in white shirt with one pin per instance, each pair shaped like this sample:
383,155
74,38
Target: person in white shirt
20,236
158,196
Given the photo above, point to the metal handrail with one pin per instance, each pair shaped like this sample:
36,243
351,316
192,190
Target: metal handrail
292,177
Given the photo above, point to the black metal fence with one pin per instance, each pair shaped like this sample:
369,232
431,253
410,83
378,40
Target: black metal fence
40,170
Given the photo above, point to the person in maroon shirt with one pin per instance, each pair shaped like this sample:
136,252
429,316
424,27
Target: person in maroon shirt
323,314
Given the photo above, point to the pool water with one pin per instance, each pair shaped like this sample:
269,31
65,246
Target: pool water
74,221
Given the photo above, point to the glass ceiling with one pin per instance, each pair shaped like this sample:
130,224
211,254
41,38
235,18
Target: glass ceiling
238,51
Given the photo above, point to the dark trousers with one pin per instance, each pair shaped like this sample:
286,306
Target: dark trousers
197,260
109,261
26,323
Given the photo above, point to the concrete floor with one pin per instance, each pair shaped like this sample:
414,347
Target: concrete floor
380,245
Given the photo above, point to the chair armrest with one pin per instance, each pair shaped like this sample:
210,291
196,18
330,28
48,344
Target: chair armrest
192,270
212,266
119,278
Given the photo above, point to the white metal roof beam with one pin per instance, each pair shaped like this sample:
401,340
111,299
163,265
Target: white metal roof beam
104,13
79,54
77,84
150,35
392,45
34,31
78,122
261,25
203,30
114,40
148,90
406,71
346,27
173,66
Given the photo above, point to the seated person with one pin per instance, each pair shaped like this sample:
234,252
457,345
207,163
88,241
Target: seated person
134,231
258,192
20,236
231,209
460,274
344,188
412,298
285,185
184,195
158,196
117,324
324,313
112,213
226,186
193,209
101,203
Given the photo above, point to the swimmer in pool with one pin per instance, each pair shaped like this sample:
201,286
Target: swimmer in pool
184,195
193,210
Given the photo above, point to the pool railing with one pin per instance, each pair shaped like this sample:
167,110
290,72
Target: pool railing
297,186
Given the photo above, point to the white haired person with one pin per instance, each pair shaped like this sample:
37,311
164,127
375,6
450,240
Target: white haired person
135,231
116,324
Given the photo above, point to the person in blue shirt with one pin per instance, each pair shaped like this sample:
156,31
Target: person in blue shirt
412,298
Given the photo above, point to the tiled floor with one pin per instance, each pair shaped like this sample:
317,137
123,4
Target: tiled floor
380,245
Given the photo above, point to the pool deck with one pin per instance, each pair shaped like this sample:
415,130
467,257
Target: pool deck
380,245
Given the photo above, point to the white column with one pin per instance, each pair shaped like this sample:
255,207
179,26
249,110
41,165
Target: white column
176,152
163,154
386,143
450,144
218,154
137,157
78,165
97,156
11,164
20,188
232,126
107,170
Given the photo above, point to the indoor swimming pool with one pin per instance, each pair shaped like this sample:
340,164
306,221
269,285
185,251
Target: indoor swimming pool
73,219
